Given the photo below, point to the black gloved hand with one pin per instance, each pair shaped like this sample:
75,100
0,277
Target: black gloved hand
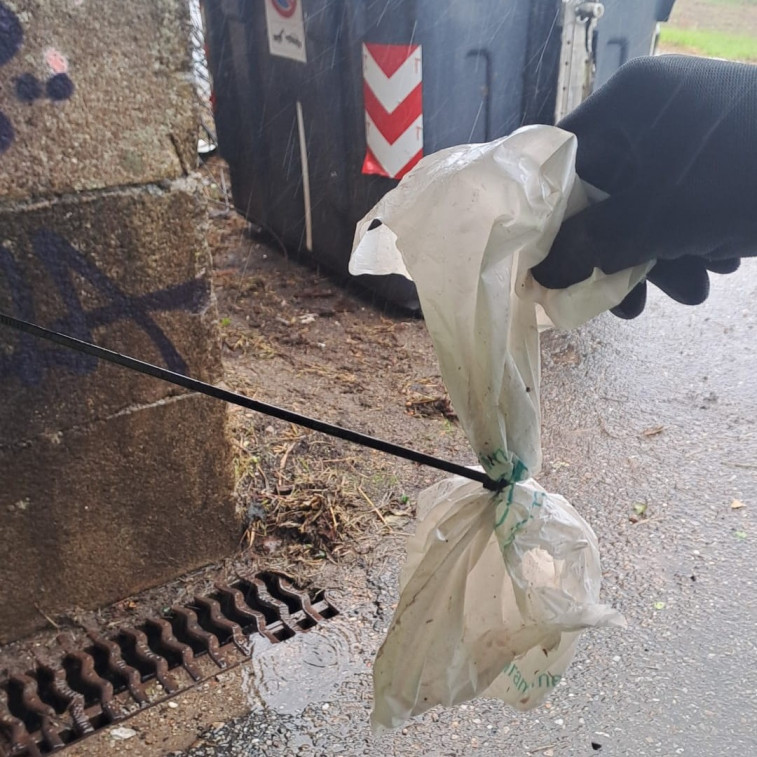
673,141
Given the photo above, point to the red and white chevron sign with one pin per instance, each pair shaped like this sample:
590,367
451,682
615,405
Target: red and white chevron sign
393,108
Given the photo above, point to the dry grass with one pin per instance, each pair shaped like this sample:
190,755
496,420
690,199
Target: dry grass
244,342
305,499
428,397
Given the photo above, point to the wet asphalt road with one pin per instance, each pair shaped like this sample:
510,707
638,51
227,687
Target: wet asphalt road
651,420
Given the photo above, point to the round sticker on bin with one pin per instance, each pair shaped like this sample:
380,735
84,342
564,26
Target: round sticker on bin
285,7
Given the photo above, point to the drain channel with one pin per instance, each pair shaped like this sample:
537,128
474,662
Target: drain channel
111,678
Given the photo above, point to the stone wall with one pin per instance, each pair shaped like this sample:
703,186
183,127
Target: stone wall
109,481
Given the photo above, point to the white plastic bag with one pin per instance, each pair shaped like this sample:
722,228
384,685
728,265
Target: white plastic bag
497,586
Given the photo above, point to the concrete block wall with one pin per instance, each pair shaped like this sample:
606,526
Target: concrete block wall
109,481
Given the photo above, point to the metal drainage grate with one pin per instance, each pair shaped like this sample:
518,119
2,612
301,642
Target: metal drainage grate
113,677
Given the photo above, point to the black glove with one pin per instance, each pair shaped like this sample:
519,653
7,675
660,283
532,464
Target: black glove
673,140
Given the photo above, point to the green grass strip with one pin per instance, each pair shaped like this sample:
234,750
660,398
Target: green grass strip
710,43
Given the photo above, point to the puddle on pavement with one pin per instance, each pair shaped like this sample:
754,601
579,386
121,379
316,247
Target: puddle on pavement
305,669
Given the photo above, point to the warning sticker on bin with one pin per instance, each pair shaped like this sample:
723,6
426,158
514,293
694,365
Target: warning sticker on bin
286,29
392,92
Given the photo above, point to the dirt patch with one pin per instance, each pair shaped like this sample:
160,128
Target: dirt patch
307,497
294,337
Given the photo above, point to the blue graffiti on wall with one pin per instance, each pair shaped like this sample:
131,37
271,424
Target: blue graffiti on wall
27,87
29,360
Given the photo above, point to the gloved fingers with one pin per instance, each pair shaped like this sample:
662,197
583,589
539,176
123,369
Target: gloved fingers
684,279
602,236
568,261
626,230
633,304
727,265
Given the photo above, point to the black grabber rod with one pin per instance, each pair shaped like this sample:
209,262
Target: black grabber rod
239,399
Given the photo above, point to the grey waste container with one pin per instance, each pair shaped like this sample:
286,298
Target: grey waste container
628,29
322,105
